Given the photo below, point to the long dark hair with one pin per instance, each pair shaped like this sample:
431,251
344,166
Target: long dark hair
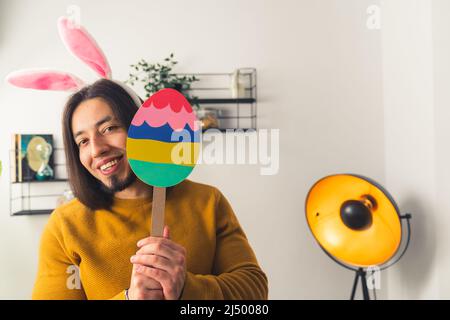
85,186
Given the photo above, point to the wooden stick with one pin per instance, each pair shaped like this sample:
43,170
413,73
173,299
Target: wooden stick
158,206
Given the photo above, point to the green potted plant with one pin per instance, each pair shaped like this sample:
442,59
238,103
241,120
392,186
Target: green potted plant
157,76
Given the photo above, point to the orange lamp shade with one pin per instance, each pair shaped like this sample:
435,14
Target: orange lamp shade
354,220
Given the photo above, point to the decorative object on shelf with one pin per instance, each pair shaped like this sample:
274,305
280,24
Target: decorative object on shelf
163,146
237,85
33,157
357,223
43,152
209,118
157,76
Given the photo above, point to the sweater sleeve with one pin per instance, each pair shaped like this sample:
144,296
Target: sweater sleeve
236,273
58,276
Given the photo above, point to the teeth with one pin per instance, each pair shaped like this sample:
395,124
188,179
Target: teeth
108,165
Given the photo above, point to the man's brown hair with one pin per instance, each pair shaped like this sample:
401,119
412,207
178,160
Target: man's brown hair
86,187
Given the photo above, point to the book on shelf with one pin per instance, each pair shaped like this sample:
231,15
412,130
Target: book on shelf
13,159
33,157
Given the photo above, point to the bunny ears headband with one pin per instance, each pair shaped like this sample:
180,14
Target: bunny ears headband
83,46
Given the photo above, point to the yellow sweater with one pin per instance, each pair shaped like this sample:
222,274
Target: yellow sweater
220,262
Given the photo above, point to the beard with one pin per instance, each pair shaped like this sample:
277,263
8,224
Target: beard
116,185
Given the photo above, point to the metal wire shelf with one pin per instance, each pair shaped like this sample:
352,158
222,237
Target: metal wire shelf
25,196
239,108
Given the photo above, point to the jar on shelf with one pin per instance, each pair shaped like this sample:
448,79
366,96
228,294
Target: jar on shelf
209,118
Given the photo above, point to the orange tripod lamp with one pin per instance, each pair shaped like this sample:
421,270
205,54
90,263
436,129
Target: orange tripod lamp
357,223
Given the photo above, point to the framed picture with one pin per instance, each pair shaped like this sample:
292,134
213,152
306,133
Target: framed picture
33,157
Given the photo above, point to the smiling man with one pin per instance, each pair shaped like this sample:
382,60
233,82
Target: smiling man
104,231
104,131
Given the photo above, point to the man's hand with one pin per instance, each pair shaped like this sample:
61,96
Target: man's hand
163,260
144,288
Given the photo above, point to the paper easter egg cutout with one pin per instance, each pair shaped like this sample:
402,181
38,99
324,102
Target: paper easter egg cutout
163,139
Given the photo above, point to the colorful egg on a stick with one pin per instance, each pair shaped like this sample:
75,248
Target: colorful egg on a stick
163,139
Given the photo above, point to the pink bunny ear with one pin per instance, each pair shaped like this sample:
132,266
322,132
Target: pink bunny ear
45,80
79,42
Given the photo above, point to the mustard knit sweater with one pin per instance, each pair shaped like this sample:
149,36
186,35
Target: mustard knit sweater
98,244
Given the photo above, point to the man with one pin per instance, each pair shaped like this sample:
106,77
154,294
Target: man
103,233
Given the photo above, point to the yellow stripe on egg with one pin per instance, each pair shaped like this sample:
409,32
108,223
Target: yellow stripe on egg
179,153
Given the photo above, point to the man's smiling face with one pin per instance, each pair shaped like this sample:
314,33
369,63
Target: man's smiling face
101,140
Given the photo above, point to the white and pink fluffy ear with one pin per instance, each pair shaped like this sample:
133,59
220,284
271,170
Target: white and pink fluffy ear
41,79
81,44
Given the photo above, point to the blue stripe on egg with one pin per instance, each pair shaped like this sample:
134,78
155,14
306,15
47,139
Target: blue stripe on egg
164,133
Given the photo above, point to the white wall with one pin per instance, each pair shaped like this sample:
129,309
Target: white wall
409,131
441,61
319,74
416,73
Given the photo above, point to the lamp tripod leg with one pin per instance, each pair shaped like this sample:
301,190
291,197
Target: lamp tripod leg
364,285
360,273
355,284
